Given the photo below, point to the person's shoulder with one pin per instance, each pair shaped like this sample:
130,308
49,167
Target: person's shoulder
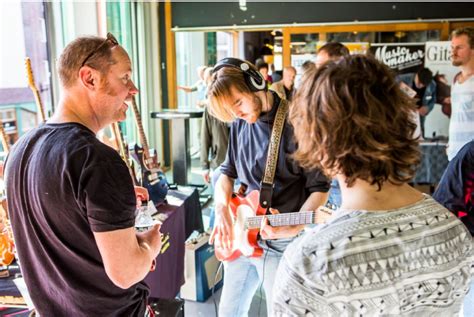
466,152
82,144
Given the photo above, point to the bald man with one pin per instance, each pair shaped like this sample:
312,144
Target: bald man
284,87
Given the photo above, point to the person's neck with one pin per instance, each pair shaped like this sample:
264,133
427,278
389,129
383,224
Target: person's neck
364,196
267,101
467,70
76,107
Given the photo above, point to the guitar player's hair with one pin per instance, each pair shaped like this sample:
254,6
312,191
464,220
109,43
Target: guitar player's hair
223,80
76,52
351,118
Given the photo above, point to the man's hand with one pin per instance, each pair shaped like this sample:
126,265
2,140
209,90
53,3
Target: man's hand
423,110
206,174
142,195
151,240
267,232
222,235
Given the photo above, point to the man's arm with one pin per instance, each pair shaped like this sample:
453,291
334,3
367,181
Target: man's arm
222,234
128,255
206,141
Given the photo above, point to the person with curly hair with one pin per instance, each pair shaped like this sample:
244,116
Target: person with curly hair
389,249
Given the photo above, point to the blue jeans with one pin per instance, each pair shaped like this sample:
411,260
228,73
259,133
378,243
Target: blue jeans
214,177
468,304
335,193
243,276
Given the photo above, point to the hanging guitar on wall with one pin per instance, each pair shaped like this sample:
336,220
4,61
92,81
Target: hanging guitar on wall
36,93
152,177
7,247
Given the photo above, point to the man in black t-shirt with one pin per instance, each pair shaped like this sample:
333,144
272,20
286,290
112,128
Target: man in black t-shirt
238,93
71,198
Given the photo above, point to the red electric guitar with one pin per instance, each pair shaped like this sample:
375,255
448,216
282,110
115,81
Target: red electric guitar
248,215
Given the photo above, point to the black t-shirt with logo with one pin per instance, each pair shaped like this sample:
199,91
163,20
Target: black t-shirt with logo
62,185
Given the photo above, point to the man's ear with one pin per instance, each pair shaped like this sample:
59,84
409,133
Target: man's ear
89,77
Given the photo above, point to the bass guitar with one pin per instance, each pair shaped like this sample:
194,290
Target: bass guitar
248,216
152,177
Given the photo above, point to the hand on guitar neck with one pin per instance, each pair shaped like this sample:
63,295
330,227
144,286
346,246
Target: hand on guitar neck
268,232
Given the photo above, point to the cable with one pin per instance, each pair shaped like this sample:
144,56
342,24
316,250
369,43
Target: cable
263,280
213,288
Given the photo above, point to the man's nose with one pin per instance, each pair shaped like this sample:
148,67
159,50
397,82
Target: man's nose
133,89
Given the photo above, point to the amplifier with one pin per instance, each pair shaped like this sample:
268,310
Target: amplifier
200,270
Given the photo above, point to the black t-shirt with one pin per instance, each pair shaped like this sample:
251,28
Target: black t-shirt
247,155
63,185
420,93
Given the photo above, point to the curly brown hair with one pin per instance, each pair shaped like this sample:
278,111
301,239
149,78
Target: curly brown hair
351,117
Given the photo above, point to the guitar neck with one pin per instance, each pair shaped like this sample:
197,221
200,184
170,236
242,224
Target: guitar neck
141,132
4,139
279,220
32,85
123,149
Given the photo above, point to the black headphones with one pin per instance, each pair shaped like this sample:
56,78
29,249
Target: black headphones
253,78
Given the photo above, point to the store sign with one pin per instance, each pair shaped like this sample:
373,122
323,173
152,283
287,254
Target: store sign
404,57
438,59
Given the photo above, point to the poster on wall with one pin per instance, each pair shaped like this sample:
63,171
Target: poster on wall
401,57
438,59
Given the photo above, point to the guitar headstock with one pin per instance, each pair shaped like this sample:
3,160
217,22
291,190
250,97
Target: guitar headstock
29,72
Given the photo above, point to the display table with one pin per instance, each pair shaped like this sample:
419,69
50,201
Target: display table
180,140
434,161
183,212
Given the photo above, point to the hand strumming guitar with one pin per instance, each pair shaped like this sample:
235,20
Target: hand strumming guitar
223,233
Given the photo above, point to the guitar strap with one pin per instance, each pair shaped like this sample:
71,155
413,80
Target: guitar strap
266,186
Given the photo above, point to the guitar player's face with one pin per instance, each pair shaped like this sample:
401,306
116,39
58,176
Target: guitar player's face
116,88
246,106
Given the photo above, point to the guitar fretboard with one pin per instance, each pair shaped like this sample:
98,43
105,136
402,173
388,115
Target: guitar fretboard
138,119
288,219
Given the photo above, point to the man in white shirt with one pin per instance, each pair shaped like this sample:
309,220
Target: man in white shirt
461,128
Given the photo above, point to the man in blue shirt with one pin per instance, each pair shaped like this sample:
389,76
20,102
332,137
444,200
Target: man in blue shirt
238,94
425,87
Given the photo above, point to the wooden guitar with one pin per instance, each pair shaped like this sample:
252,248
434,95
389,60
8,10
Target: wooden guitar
152,176
123,151
7,254
36,93
248,215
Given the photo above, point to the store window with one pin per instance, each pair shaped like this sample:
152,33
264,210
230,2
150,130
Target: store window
29,39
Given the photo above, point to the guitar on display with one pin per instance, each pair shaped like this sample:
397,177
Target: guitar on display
122,148
36,93
247,217
7,246
152,177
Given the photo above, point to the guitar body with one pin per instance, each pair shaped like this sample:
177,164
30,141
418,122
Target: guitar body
153,179
245,240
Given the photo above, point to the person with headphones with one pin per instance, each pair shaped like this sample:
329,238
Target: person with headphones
238,94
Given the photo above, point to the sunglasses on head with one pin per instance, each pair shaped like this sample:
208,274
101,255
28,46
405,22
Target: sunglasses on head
109,39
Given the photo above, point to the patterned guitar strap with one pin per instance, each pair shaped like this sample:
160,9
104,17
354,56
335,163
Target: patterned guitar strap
266,185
